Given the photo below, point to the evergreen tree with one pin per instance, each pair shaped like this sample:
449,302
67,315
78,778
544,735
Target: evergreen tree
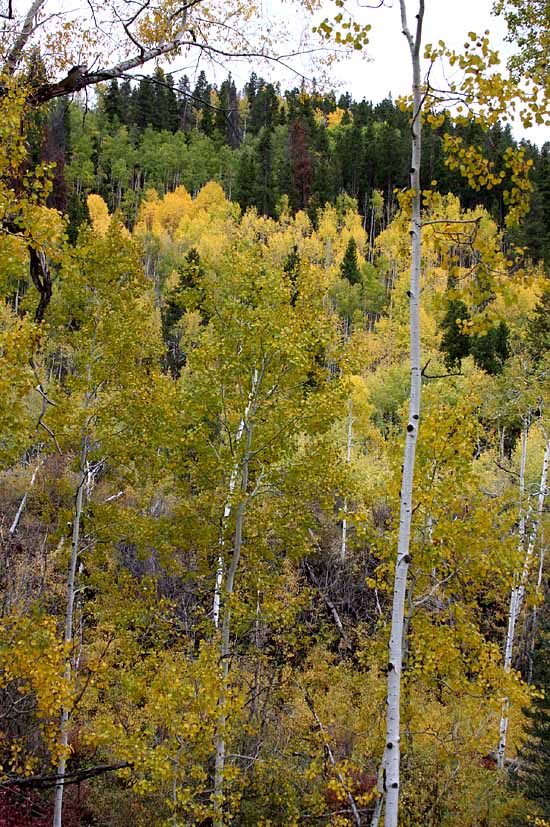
78,214
455,345
186,295
349,268
125,98
112,101
264,106
185,106
228,119
201,103
538,329
535,756
327,171
143,105
292,267
302,168
491,350
166,113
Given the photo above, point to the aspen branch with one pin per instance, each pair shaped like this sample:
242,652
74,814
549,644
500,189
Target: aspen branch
328,749
330,605
74,777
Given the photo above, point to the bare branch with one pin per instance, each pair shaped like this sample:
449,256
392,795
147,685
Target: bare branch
74,777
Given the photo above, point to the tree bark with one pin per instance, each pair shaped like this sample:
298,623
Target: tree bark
228,503
22,504
518,591
68,638
392,749
247,424
343,544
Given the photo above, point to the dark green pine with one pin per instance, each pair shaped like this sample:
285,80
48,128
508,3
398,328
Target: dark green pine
534,773
349,268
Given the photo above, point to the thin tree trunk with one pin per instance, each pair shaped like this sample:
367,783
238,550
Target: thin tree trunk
225,651
518,592
343,545
392,750
328,749
534,621
228,502
22,504
247,426
534,529
71,592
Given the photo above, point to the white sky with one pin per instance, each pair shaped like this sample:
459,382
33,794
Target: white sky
389,70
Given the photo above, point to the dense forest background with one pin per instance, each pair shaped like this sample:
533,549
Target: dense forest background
261,145
202,394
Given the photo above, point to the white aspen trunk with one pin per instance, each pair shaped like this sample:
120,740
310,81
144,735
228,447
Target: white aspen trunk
225,641
247,424
377,812
68,637
518,591
227,507
508,648
22,504
343,545
392,749
534,530
534,621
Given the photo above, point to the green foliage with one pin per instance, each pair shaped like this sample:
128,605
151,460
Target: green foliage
455,344
538,330
490,350
349,268
213,362
534,772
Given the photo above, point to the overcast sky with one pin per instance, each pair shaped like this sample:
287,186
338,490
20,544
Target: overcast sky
388,70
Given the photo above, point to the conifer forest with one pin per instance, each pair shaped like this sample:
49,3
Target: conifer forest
274,419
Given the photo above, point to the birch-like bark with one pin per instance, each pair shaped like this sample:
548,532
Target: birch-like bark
326,743
228,503
225,649
22,504
68,637
534,621
392,749
534,530
343,544
518,591
521,548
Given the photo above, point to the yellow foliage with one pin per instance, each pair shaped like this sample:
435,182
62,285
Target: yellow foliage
99,214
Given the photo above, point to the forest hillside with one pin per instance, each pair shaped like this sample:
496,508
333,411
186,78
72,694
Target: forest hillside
212,346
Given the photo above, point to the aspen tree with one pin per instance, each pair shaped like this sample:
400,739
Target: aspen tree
391,760
518,591
101,289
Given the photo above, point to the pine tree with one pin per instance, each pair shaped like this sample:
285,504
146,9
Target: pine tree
185,110
302,169
112,101
535,756
201,103
292,267
538,329
349,268
455,344
165,113
491,350
143,105
228,120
